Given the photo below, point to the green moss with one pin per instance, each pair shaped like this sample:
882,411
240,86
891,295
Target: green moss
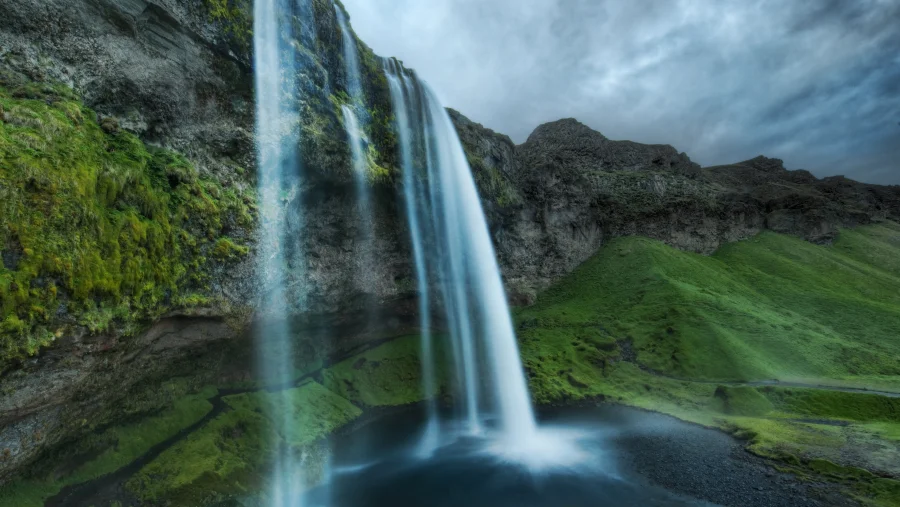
862,484
383,146
879,492
377,173
230,454
824,466
388,375
379,125
174,167
108,451
313,410
745,401
96,226
494,184
230,444
194,300
226,249
491,182
236,17
378,131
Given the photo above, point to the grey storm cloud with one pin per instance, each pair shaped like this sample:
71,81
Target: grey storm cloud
816,83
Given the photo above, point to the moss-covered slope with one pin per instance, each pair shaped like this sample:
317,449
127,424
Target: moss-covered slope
98,229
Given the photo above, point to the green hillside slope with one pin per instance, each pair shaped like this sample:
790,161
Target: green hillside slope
773,307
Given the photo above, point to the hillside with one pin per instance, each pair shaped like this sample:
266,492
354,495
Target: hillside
555,199
771,307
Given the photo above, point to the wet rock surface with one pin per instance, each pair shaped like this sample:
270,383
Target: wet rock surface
708,464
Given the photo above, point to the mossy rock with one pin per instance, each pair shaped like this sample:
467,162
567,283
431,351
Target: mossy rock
231,455
96,228
236,19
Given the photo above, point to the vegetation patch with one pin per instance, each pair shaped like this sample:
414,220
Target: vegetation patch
231,454
96,228
236,19
388,375
491,182
772,307
745,401
835,404
109,450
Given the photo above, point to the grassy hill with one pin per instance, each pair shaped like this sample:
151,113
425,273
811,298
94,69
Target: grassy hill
772,307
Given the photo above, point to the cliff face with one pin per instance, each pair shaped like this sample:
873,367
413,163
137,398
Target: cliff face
554,200
177,76
137,119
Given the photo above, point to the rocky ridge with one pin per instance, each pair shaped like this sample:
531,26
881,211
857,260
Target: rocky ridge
574,190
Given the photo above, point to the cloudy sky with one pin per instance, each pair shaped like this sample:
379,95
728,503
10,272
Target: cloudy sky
816,83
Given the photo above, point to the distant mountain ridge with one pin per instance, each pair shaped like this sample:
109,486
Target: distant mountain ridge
574,189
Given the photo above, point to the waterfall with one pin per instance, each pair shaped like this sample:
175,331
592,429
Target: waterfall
354,116
412,194
278,167
357,155
351,58
485,350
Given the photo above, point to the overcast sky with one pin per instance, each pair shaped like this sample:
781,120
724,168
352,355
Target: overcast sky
816,83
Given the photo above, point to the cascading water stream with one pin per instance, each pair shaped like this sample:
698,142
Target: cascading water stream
480,299
465,265
351,58
452,276
400,90
278,165
353,121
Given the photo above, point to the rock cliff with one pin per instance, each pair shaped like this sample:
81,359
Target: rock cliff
555,199
157,97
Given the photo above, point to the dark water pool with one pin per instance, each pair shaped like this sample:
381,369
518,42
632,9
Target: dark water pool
621,457
377,465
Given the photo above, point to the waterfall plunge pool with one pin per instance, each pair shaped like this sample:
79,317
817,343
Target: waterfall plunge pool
626,457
